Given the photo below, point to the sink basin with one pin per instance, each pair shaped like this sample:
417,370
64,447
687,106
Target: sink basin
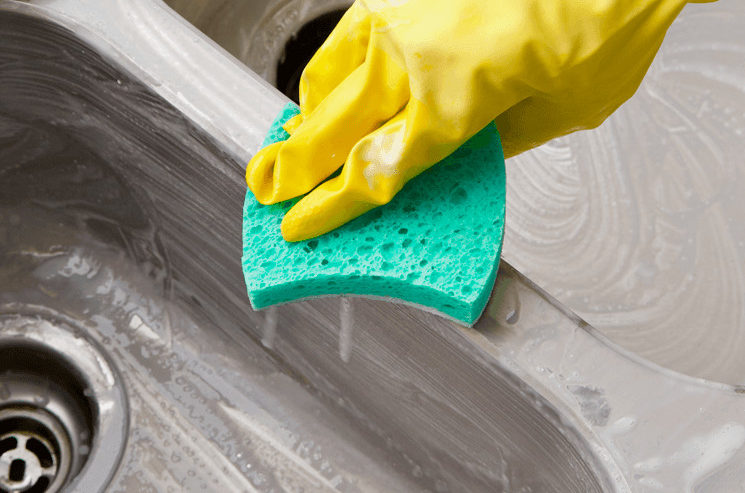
624,224
121,218
123,137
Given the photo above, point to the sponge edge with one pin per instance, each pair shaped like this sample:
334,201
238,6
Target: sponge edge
435,245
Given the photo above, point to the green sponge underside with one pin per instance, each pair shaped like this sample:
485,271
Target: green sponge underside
436,244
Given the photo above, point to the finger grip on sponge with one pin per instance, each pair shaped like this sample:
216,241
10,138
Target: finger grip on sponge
435,245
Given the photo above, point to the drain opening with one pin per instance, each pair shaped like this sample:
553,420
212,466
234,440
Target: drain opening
17,471
46,420
32,442
300,49
63,409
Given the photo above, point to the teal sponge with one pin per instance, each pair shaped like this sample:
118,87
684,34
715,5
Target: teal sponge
436,244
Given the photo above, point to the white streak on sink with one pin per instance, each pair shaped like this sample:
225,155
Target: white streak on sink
270,327
346,316
136,323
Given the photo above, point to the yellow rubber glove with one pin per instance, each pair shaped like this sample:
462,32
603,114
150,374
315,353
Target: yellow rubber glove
400,84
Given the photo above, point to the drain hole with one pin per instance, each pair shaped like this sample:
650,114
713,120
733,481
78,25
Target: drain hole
301,48
40,487
33,442
7,444
62,412
17,470
43,416
41,451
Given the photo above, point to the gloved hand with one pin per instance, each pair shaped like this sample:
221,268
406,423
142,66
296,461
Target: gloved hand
400,84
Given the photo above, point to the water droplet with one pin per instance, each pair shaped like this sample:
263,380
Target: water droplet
271,319
345,330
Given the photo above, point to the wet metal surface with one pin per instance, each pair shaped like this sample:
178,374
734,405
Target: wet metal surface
636,226
120,218
121,184
254,31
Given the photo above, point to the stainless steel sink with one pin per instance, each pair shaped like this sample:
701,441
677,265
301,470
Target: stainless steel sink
257,32
624,224
123,136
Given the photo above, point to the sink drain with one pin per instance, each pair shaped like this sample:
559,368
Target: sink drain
34,451
62,411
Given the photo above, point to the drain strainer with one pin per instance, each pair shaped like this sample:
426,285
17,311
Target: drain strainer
62,410
35,451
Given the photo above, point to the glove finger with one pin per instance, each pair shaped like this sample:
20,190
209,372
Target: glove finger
260,168
342,52
293,123
322,143
371,177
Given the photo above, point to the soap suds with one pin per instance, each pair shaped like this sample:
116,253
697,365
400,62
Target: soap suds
383,153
